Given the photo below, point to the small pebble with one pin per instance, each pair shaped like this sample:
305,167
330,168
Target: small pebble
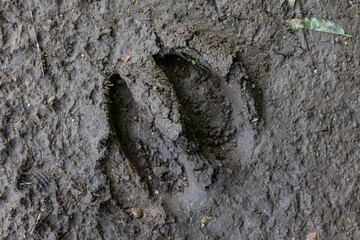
135,118
136,212
315,71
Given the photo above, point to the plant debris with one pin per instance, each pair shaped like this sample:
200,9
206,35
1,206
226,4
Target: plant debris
204,220
311,236
292,3
51,99
316,24
126,59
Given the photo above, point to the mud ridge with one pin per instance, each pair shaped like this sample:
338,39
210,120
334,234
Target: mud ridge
150,153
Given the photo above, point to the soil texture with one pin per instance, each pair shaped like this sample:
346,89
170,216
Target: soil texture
174,119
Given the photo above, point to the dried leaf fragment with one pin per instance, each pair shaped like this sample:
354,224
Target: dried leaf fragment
311,236
291,3
255,120
126,59
204,220
316,24
51,99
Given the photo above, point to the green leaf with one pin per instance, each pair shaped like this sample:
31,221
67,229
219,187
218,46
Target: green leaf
292,3
193,62
316,24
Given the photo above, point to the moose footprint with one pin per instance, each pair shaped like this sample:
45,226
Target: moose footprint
216,115
217,133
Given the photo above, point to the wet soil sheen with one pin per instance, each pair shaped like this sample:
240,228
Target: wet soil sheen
178,120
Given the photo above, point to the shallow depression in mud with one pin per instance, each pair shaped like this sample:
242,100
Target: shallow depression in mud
205,109
122,105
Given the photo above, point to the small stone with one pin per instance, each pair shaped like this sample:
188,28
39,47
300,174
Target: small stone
175,168
337,39
135,118
136,212
160,171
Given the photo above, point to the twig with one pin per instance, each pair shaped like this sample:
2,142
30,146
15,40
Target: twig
33,227
354,6
154,8
146,10
37,42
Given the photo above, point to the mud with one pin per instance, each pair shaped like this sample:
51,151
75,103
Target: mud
177,120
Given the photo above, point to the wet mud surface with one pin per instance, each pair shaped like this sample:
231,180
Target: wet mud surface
178,120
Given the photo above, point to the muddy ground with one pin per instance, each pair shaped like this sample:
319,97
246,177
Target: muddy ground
178,120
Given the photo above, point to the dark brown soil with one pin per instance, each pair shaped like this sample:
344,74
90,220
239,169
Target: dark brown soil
178,120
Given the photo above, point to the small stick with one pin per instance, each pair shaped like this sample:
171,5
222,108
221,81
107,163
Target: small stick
37,42
154,8
33,227
354,6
